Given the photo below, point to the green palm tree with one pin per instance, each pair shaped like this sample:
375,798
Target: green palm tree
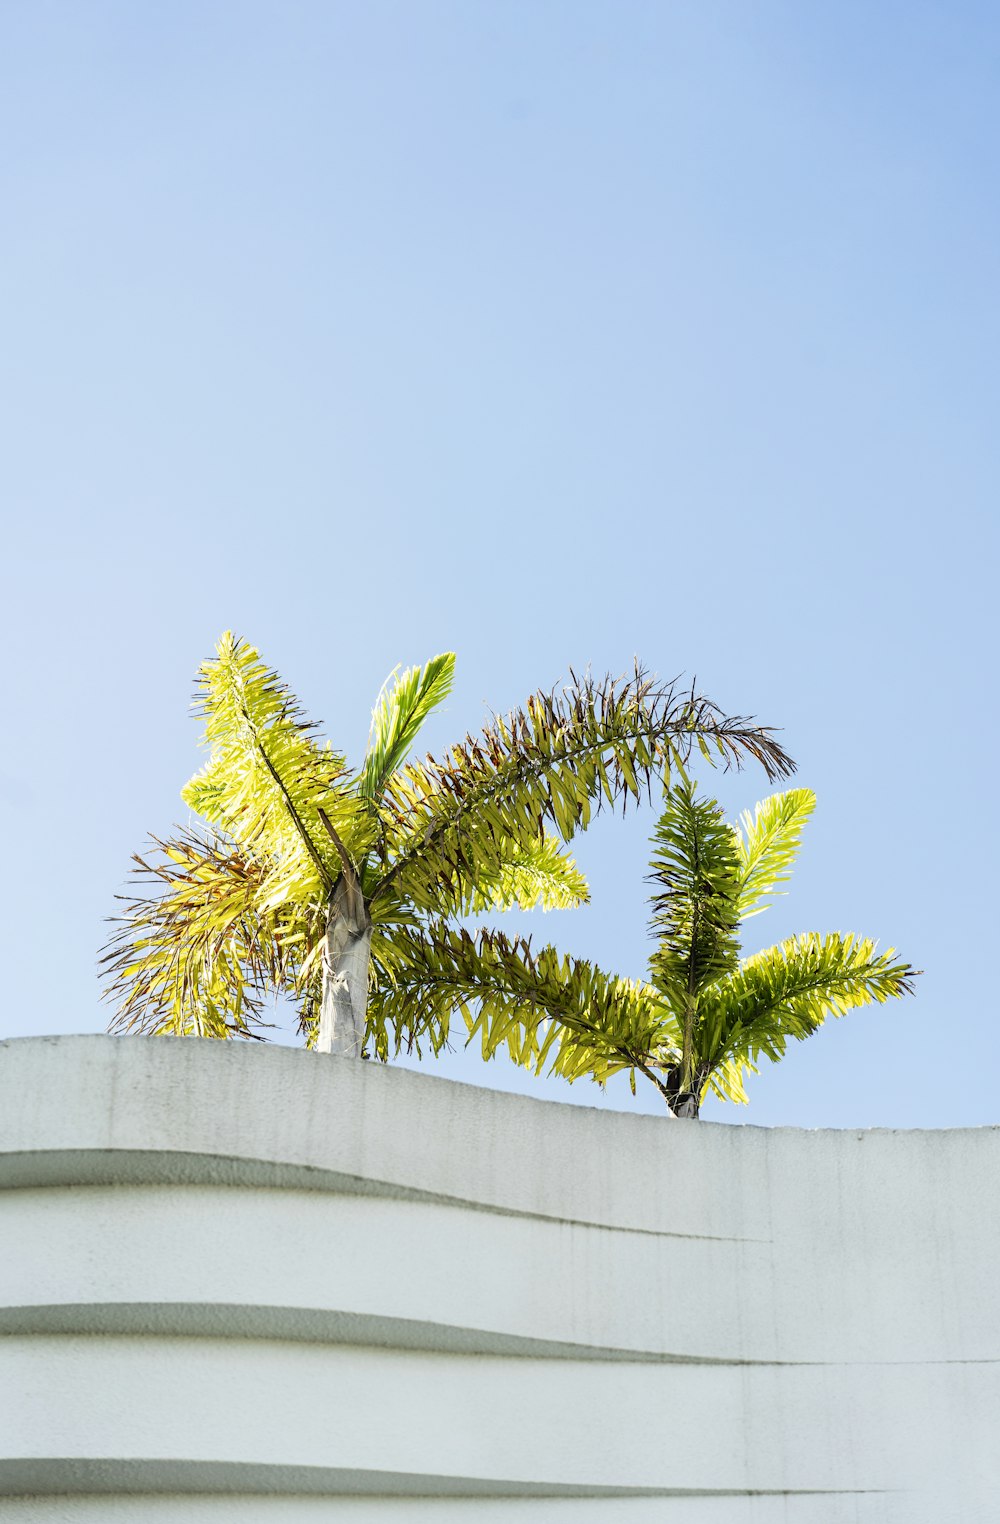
703,1018
310,880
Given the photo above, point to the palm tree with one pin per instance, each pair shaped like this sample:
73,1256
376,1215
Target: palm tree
310,880
703,1018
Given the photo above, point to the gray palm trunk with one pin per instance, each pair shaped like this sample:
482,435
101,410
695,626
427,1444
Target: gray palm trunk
686,1106
684,1099
346,955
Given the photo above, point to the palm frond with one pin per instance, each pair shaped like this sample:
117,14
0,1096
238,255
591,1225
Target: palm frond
768,846
788,991
197,955
695,872
726,1082
401,708
538,1006
537,874
267,780
552,764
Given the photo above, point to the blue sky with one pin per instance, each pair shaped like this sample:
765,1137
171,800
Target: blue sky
551,333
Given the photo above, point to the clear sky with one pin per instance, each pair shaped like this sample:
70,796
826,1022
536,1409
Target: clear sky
550,332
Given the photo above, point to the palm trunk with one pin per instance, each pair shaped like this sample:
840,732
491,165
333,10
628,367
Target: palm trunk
683,1098
686,1077
686,1105
346,955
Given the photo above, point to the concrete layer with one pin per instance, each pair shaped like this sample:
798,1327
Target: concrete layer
235,1277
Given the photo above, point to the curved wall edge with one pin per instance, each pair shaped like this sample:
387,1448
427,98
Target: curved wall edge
259,1273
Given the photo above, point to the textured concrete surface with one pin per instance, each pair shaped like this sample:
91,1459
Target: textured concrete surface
266,1284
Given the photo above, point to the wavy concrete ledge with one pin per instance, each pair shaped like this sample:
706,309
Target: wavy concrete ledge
251,1277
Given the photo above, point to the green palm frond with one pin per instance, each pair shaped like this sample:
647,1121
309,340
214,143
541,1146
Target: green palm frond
788,991
401,708
536,874
552,764
197,955
695,873
726,1082
538,1006
769,844
267,781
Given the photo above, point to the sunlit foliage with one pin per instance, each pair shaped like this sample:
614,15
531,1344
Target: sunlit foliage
703,1018
234,911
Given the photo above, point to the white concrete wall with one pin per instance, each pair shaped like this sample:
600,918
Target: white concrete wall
260,1284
